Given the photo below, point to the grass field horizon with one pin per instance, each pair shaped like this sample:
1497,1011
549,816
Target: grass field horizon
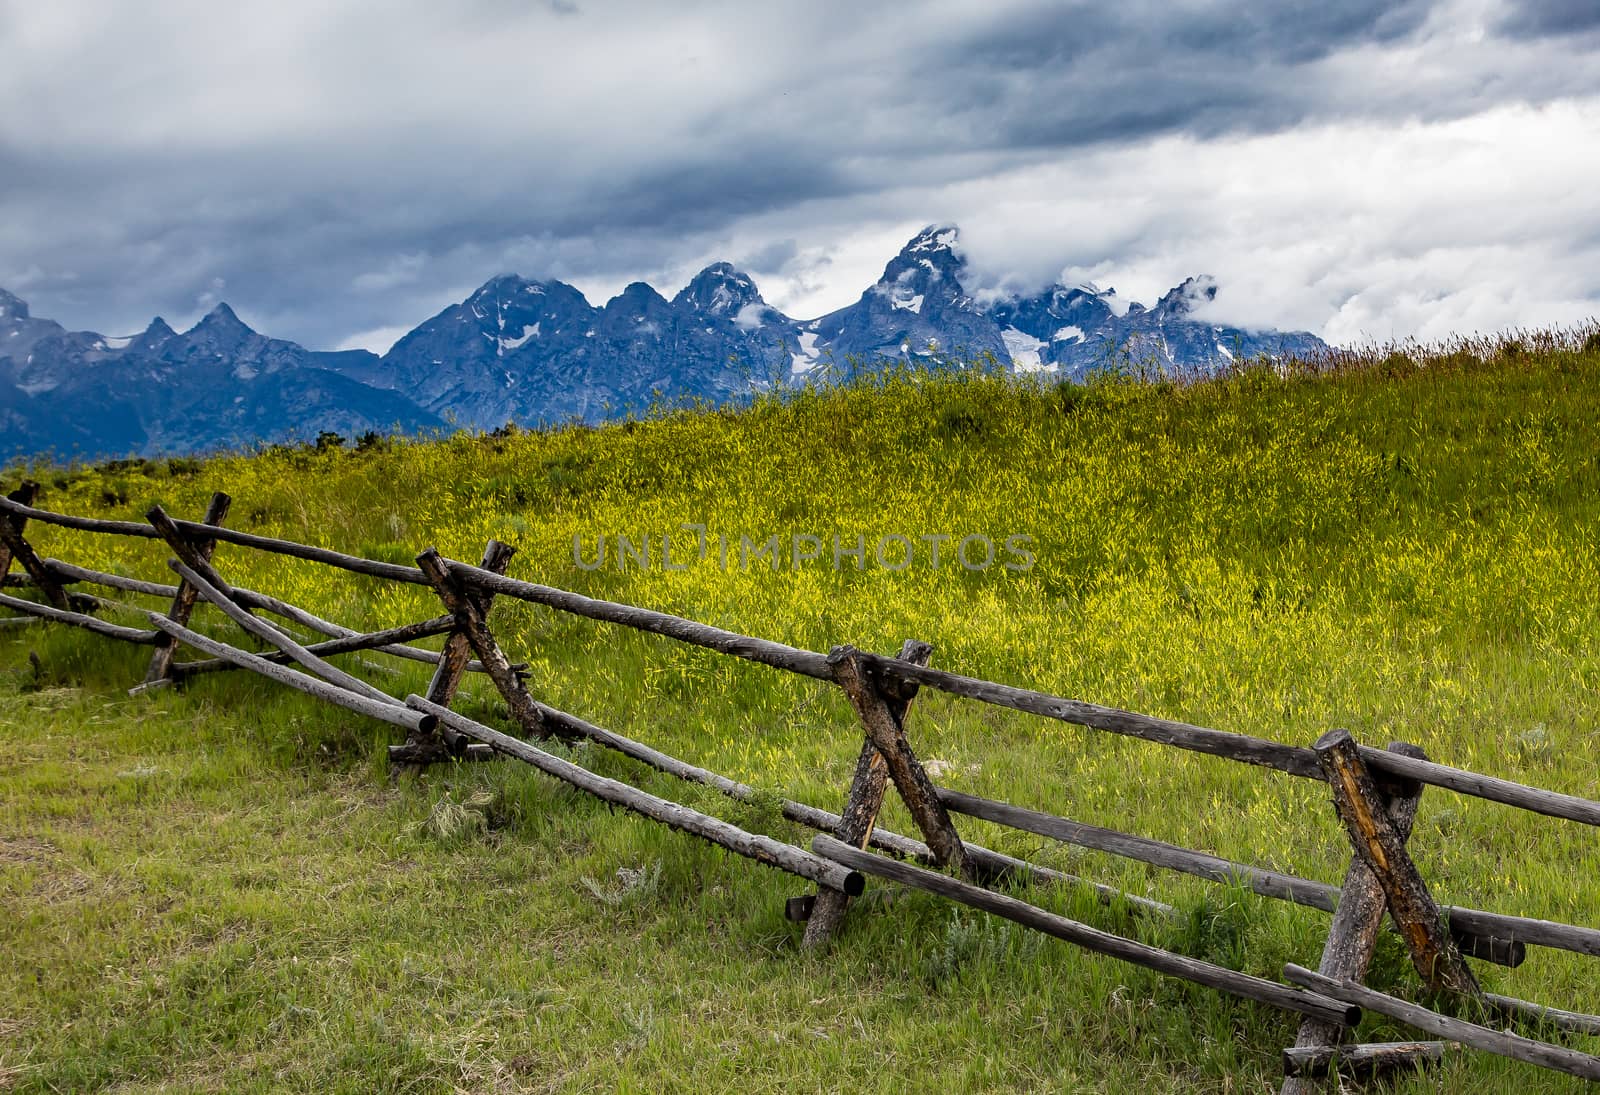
220,888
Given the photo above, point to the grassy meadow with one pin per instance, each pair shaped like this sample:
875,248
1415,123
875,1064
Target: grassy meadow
222,889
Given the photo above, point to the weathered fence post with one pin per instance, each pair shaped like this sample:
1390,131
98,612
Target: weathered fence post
457,652
459,602
1382,848
13,546
23,496
457,648
1353,934
183,603
861,808
884,731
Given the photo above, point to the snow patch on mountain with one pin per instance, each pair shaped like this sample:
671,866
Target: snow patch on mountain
528,331
807,357
1024,350
935,238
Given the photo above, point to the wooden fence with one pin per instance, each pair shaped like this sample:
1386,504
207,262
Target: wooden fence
1374,792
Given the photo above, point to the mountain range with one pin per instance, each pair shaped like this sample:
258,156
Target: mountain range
537,352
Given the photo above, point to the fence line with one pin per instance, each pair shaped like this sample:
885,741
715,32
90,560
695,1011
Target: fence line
1374,790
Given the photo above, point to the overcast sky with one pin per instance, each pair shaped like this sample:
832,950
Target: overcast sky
340,171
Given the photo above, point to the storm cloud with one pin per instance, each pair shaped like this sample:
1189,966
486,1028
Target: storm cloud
338,171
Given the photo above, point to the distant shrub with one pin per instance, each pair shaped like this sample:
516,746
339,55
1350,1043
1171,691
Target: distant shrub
960,419
1069,398
565,472
1397,364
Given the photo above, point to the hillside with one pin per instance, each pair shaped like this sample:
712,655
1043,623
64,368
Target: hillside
220,889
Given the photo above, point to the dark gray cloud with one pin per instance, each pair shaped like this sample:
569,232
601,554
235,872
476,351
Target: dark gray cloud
338,172
1117,73
1551,18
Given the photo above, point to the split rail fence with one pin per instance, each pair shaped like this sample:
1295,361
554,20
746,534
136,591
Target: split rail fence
1374,791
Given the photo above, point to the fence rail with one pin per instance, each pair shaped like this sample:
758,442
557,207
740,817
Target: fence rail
1374,791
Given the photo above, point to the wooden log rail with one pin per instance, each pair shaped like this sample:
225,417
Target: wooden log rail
1500,1042
1128,950
390,712
136,529
375,640
354,563
807,663
1294,760
762,849
346,640
66,574
1493,937
79,619
1362,1062
267,633
1572,1022
251,599
996,865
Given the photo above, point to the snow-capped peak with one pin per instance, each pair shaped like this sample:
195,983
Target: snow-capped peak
925,277
935,237
1184,298
505,287
721,289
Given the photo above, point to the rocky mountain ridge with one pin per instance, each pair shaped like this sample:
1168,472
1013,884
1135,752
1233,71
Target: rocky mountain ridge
537,352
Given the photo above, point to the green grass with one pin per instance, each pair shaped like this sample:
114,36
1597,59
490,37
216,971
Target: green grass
220,889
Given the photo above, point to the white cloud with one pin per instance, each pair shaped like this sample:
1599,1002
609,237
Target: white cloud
378,340
1355,230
